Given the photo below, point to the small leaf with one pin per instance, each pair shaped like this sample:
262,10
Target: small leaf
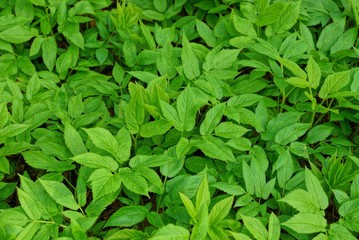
60,193
318,133
171,231
291,133
214,148
103,182
153,128
213,117
189,60
302,200
307,223
315,189
94,160
127,216
73,140
102,138
255,227
273,227
49,50
314,73
133,181
333,83
18,34
220,210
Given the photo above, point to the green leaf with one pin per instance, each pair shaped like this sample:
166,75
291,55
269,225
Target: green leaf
43,202
94,160
230,130
318,133
294,68
273,227
71,30
315,189
298,82
4,115
206,33
187,106
255,227
314,73
147,34
133,181
243,26
29,231
189,60
302,201
214,148
307,223
203,196
49,50
60,193
153,178
189,206
171,231
124,141
29,205
12,130
39,160
291,133
127,216
73,140
103,182
102,138
101,55
220,210
153,128
18,34
333,83
213,117
271,14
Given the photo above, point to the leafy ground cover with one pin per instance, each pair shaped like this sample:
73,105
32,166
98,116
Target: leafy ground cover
179,119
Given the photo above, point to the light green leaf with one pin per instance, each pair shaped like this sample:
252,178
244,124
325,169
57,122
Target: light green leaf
302,200
94,160
333,83
294,68
133,181
314,73
214,148
291,133
18,34
307,223
102,138
73,140
273,227
230,130
213,117
318,133
189,206
28,204
203,197
4,115
127,216
189,60
171,231
187,106
103,182
49,50
315,189
12,130
255,227
153,128
124,141
220,210
71,30
206,33
60,193
298,82
29,231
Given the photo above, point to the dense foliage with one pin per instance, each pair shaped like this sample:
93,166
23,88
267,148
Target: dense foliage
178,119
